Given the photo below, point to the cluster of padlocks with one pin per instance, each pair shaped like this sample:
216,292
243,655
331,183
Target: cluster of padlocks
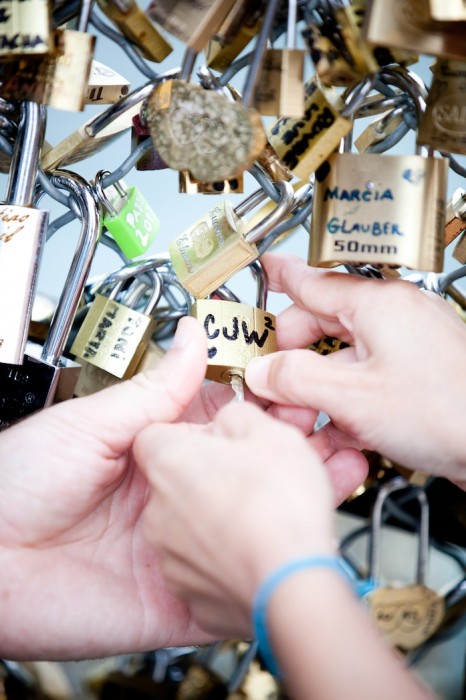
244,60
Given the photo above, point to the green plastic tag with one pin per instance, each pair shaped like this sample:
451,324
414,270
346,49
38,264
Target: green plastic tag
135,226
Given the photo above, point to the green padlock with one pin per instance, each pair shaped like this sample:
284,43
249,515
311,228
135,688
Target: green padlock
127,216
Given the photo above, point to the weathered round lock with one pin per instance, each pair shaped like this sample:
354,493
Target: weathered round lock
114,336
220,244
389,212
406,615
128,217
236,332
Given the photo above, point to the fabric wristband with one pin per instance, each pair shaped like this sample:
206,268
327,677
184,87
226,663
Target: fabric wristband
273,581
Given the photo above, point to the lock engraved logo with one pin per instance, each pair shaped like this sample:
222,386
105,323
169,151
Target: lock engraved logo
449,116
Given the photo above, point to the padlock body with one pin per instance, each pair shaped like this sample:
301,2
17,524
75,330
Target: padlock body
408,25
381,210
33,385
69,72
138,28
113,337
210,252
443,124
406,616
136,225
25,29
192,22
280,91
236,333
22,233
92,379
239,27
105,85
303,144
202,131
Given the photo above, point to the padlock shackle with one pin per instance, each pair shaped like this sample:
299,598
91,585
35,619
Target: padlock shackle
376,524
62,321
355,96
100,192
26,154
262,281
283,207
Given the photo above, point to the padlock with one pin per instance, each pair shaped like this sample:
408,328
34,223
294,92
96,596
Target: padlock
92,378
113,336
127,216
407,24
459,252
192,22
136,26
332,68
451,11
105,85
304,144
368,213
406,615
218,245
189,185
202,130
280,90
46,376
69,71
22,234
349,28
139,133
25,29
236,332
238,29
379,130
100,130
443,124
25,78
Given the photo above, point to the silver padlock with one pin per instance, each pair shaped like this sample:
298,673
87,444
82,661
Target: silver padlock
47,377
22,233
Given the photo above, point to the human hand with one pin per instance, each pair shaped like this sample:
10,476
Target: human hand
233,500
79,578
399,390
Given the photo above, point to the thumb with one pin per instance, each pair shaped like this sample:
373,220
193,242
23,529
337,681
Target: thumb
118,413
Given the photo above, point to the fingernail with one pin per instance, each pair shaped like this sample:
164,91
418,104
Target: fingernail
257,372
182,335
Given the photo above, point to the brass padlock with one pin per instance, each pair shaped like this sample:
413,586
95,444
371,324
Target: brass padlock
406,615
304,144
219,245
280,89
69,72
236,332
25,29
408,24
239,27
114,336
137,27
391,213
192,22
443,124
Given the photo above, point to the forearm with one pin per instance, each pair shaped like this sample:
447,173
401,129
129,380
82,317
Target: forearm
326,646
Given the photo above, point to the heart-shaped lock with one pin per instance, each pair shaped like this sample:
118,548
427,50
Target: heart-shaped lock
202,131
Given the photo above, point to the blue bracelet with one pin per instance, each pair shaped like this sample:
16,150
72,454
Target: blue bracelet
271,583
